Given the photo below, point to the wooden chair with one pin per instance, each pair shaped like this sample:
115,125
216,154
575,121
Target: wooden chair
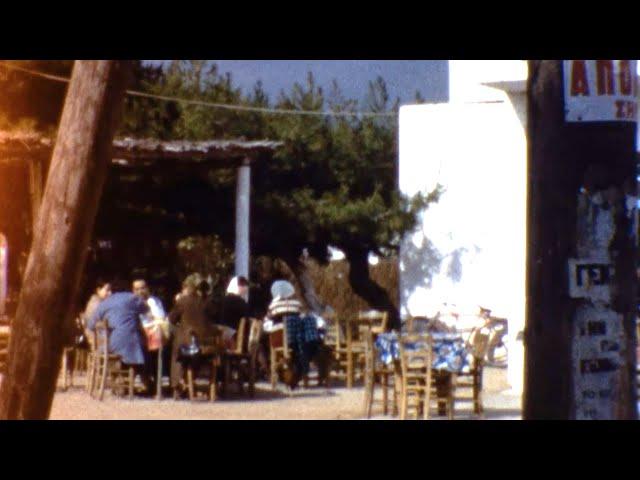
417,325
109,366
478,345
335,339
378,320
71,360
211,351
418,385
372,320
375,370
242,360
278,352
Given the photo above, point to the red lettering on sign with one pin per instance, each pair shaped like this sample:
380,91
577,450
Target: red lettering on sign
604,77
579,81
626,78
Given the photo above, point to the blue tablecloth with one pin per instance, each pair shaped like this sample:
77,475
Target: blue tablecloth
449,352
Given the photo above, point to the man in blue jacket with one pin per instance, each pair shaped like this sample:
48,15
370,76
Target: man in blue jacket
122,311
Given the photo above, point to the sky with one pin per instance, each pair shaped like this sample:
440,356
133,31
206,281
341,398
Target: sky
403,77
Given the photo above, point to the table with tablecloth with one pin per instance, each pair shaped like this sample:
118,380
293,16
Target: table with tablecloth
450,357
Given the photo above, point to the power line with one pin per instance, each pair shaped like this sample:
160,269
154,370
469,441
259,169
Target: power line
227,106
224,106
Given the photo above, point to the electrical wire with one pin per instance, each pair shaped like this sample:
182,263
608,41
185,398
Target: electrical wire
202,103
225,106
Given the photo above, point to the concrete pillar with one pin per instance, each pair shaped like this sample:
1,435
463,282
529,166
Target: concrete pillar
243,197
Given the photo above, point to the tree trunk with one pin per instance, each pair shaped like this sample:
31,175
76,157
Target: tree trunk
300,269
580,345
74,185
362,284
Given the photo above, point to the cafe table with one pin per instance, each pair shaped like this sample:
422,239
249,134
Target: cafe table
450,358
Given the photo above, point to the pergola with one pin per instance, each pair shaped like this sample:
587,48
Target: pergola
137,155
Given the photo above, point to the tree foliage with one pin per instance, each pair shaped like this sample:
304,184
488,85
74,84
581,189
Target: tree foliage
334,182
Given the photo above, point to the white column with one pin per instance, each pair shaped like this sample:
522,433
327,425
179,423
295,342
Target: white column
243,197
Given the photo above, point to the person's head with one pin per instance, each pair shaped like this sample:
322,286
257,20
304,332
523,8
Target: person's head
188,288
203,288
141,288
119,285
238,286
282,289
103,289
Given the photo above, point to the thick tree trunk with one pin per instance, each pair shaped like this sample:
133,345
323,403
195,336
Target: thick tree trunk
362,284
78,170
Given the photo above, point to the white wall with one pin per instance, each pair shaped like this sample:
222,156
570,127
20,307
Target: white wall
477,257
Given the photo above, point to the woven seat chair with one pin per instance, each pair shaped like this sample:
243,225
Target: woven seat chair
108,367
376,371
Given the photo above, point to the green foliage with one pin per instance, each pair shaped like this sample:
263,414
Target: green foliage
32,102
205,258
333,183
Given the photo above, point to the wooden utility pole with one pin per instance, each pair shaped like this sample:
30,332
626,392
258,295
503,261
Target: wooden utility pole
582,235
65,222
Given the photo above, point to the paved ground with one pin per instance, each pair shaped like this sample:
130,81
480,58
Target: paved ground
314,403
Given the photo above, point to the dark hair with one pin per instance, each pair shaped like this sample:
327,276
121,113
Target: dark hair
119,285
203,288
243,282
101,282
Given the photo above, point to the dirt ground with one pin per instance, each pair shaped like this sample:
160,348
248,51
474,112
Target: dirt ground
335,403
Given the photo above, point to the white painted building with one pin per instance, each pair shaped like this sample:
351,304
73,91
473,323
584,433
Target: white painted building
470,248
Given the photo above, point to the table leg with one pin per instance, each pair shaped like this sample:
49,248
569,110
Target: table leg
159,375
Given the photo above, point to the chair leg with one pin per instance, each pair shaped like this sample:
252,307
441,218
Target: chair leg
451,396
350,372
404,402
274,370
252,377
64,369
385,392
190,383
72,367
368,396
103,378
90,373
213,385
132,382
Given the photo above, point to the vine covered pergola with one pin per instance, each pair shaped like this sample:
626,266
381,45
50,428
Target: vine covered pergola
137,169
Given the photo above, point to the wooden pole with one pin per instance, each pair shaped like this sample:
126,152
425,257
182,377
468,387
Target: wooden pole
582,234
65,222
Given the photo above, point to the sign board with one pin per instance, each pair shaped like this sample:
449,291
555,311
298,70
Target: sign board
590,279
600,90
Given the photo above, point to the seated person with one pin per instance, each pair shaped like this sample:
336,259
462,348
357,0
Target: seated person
303,336
191,317
122,311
